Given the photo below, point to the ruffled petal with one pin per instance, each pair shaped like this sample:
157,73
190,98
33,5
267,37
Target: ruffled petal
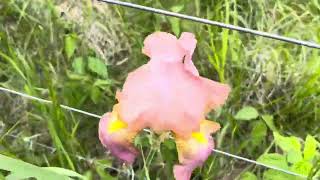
163,46
115,136
194,151
189,42
218,92
163,94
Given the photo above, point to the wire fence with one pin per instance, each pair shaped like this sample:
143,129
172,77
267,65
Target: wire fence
214,23
195,19
147,130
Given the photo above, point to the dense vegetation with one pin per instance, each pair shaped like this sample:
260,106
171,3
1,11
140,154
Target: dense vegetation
79,53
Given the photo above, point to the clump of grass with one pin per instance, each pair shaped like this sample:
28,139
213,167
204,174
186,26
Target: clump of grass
100,29
34,60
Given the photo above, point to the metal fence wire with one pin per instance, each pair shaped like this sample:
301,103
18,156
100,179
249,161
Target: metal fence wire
214,23
195,19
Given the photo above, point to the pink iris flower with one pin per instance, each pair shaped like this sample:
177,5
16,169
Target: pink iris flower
166,94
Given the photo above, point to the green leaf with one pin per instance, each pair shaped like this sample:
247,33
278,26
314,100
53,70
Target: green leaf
169,155
78,65
102,83
97,66
317,175
63,171
168,150
95,94
290,145
13,64
177,8
287,143
310,148
175,25
102,167
258,133
294,156
70,44
277,175
175,22
23,170
274,159
302,167
269,121
248,176
75,76
247,113
143,140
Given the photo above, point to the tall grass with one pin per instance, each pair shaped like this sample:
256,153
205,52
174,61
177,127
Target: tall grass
280,80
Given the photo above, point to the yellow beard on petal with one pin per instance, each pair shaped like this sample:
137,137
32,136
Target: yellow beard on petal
199,137
116,125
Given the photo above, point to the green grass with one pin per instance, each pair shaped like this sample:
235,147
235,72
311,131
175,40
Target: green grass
51,56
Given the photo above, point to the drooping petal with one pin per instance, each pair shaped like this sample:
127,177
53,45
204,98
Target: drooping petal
115,136
194,151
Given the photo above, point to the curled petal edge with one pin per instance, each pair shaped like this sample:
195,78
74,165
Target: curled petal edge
195,150
115,136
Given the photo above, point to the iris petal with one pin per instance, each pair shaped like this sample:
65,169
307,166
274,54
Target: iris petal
195,150
162,95
114,135
167,91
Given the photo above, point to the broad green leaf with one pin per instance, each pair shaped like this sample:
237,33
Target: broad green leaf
63,171
248,176
70,44
274,159
287,143
258,133
290,145
302,167
247,113
97,66
269,121
310,148
277,175
294,156
15,176
78,65
23,170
